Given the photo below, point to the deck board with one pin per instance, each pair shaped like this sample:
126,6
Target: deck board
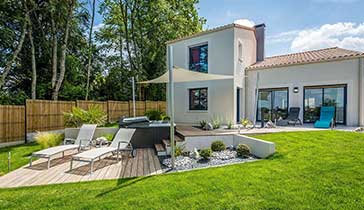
144,163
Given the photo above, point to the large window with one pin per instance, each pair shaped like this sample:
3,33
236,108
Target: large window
198,58
198,99
273,103
318,96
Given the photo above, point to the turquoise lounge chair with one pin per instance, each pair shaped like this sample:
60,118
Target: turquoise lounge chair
326,117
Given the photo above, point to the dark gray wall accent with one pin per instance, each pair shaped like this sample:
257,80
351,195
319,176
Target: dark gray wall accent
259,34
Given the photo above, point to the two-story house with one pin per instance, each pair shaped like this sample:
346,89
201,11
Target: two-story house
308,80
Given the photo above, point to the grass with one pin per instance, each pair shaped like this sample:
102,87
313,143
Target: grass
19,156
311,170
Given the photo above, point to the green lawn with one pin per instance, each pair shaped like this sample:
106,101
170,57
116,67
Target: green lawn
311,170
19,156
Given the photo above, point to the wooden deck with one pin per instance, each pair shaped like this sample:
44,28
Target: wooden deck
145,163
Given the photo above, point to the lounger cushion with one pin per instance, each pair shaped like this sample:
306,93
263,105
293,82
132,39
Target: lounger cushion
95,153
57,149
322,124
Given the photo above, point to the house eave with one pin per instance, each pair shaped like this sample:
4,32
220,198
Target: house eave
221,28
303,63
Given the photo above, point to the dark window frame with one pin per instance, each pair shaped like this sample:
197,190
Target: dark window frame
271,90
322,87
199,99
190,56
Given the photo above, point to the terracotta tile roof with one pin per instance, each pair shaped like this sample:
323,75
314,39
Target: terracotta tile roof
315,56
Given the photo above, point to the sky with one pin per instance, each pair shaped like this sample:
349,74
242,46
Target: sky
292,25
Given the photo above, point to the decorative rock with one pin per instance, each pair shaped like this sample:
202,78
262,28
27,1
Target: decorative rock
195,154
218,158
208,127
359,129
100,139
224,155
269,124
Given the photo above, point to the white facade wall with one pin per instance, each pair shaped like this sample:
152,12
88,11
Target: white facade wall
327,73
222,59
242,59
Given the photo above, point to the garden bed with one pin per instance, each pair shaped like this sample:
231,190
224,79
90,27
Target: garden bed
221,158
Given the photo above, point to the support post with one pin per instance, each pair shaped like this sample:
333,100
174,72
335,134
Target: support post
171,102
25,122
133,84
256,100
9,161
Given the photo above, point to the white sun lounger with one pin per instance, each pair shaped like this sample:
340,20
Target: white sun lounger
83,140
121,142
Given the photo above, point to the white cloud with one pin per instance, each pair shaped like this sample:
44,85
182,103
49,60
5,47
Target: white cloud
97,27
346,35
245,22
287,36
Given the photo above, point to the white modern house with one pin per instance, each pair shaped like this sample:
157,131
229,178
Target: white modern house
309,80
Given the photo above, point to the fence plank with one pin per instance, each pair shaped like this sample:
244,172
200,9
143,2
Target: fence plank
11,123
118,109
45,115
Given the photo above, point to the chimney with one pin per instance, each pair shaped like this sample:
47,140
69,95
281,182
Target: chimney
259,35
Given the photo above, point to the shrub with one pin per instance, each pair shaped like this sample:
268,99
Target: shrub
78,116
165,117
217,146
215,123
179,150
245,122
229,125
205,153
109,136
203,124
46,139
154,114
243,150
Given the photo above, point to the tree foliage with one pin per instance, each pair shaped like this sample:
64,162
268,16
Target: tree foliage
70,62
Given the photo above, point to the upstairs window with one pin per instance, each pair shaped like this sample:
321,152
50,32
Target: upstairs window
198,58
198,99
240,52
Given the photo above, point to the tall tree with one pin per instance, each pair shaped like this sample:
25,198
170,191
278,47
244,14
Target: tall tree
32,50
90,49
140,30
54,40
62,59
19,44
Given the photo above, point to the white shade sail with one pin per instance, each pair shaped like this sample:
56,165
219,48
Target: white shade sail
184,75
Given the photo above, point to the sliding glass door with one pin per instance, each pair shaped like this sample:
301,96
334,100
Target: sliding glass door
273,102
318,96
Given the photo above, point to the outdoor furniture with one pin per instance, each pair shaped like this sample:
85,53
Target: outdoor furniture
121,142
292,118
327,114
83,140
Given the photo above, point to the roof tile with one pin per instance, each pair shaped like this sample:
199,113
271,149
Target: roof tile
327,54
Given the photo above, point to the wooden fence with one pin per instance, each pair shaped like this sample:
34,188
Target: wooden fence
12,126
44,115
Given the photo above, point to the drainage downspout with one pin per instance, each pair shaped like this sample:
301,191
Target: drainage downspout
361,92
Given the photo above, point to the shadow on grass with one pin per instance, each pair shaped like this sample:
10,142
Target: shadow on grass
122,183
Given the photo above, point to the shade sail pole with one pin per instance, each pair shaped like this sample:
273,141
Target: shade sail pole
256,99
171,102
133,84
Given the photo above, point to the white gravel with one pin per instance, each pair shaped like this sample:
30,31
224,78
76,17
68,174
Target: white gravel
217,158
